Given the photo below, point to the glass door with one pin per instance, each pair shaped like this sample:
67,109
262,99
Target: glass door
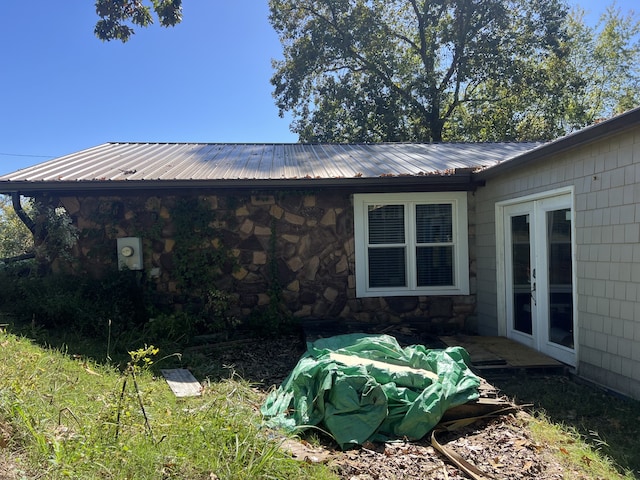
539,276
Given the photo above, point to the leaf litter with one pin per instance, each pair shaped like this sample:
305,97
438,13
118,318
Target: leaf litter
499,447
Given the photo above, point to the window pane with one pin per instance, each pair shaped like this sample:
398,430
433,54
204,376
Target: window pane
435,266
386,224
434,223
521,278
387,267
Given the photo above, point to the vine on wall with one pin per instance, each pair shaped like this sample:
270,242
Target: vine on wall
275,318
200,258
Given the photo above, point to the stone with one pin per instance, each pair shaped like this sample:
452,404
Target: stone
263,299
309,201
291,238
260,258
371,303
164,213
349,247
254,278
276,211
329,218
344,224
294,286
330,294
240,274
262,231
338,306
289,250
303,245
342,264
242,211
84,223
247,227
290,299
290,202
71,204
311,268
320,309
295,264
212,201
293,218
305,311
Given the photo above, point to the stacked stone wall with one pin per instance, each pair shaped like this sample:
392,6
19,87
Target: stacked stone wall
307,238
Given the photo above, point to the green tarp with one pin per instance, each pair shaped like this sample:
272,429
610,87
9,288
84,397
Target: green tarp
366,387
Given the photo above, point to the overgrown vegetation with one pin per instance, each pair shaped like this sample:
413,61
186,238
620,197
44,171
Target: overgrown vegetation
68,417
15,237
123,306
82,305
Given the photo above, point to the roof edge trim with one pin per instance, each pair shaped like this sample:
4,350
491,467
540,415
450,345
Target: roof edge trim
590,134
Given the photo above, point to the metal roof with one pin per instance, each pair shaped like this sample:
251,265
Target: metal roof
122,164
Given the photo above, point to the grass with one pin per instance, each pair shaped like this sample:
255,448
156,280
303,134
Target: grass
64,415
594,431
68,418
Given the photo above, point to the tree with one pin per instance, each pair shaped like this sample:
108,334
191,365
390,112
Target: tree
596,77
398,70
15,237
420,70
116,16
607,59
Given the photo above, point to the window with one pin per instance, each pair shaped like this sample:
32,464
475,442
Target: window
411,244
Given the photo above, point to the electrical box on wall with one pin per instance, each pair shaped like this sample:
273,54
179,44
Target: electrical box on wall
130,253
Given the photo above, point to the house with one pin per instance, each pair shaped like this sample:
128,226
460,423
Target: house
536,242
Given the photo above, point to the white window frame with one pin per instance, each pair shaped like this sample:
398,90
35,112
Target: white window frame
458,202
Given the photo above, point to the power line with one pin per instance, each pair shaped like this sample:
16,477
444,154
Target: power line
25,155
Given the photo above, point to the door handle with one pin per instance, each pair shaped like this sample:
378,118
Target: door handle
533,287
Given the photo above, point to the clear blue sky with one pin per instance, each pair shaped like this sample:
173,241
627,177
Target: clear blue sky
206,80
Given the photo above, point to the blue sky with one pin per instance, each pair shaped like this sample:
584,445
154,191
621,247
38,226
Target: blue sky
206,80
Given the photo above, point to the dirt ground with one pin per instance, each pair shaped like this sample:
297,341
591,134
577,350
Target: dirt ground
500,447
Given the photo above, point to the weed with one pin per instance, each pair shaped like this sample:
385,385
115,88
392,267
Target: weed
63,411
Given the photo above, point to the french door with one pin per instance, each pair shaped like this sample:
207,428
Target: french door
538,275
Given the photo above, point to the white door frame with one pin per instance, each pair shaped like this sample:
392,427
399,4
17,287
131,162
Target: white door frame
539,339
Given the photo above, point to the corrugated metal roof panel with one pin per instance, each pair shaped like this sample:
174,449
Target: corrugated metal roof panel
210,161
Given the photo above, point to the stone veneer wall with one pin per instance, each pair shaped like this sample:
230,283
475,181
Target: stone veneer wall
314,249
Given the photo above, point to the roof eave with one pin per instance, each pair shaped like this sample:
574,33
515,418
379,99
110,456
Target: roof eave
458,181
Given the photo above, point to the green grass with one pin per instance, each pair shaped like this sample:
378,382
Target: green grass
59,419
63,416
594,430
